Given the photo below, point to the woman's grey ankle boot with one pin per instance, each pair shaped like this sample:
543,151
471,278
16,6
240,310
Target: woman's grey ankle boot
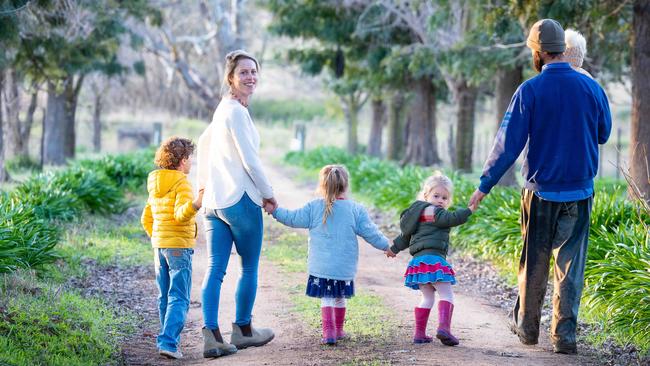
258,336
212,347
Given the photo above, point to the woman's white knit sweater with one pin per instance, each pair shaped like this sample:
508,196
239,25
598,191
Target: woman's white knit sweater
228,158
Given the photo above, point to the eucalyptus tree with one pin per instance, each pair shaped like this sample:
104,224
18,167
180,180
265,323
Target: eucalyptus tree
327,27
63,41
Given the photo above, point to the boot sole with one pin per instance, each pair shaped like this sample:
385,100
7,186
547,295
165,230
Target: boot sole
217,352
447,340
258,344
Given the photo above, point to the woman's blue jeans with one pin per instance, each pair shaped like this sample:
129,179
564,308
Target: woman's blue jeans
174,279
242,225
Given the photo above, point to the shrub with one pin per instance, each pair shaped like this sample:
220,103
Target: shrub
27,239
128,171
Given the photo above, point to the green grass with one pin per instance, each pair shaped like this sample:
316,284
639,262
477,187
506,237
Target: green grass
43,325
366,316
106,240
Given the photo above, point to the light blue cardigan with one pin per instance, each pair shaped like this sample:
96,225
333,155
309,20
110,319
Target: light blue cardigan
333,247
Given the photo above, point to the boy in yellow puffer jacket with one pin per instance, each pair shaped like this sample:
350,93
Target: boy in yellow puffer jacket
168,219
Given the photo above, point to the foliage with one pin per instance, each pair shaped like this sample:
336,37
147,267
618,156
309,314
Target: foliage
21,163
128,171
617,281
29,212
46,326
271,110
27,238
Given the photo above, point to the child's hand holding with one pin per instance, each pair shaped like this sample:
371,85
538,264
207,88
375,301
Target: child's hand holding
199,199
389,253
473,207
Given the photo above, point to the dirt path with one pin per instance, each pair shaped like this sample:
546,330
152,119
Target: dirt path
481,328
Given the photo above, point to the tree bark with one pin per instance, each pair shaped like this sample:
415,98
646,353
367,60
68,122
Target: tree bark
395,141
377,127
640,134
4,176
26,128
420,145
12,115
465,96
351,112
54,127
97,123
507,83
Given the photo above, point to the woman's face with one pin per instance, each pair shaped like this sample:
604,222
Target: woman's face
244,78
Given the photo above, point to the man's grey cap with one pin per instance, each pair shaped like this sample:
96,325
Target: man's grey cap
547,35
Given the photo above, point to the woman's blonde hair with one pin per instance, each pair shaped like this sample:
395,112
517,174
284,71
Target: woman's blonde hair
333,181
576,47
232,58
437,179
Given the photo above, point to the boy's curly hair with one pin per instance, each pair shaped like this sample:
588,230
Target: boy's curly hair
172,151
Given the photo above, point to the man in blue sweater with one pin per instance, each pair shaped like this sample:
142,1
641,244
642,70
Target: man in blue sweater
562,116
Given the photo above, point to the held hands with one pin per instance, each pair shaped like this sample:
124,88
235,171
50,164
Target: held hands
269,204
199,199
475,200
389,253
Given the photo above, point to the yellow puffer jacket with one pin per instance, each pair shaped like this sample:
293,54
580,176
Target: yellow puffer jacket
168,217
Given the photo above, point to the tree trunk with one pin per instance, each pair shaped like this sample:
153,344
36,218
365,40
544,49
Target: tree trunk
351,112
26,128
376,129
420,147
54,127
640,134
507,83
12,115
395,141
3,172
97,123
465,96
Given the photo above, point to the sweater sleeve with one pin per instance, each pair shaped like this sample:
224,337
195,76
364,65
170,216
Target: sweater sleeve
147,219
203,156
300,218
604,118
241,129
183,209
367,229
510,139
444,218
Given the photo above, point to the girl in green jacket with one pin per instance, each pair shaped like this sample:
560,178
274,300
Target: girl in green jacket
425,229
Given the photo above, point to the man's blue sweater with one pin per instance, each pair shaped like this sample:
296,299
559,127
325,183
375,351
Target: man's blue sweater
563,115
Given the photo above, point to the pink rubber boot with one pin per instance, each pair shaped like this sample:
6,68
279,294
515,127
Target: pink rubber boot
421,319
445,311
329,330
339,320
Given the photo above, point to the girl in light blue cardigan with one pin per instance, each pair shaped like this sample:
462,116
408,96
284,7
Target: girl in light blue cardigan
334,223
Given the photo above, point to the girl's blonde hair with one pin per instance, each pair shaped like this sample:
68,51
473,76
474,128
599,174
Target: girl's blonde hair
333,181
232,58
576,47
437,179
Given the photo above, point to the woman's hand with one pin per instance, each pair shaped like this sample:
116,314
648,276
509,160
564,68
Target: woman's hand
199,200
269,204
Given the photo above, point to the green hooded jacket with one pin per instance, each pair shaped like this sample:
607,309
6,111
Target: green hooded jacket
424,238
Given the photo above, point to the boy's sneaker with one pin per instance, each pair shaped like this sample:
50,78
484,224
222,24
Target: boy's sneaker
171,354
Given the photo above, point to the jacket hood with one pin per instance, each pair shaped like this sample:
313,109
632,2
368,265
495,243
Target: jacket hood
161,181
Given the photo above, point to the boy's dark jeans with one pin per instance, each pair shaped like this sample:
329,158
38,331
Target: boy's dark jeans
560,229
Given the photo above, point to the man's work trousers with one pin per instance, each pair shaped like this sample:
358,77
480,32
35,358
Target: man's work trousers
560,229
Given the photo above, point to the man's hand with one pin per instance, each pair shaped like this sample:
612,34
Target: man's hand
475,200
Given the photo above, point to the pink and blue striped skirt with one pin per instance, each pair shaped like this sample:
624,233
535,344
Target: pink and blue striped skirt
428,269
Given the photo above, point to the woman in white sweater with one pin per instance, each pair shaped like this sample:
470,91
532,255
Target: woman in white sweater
236,188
